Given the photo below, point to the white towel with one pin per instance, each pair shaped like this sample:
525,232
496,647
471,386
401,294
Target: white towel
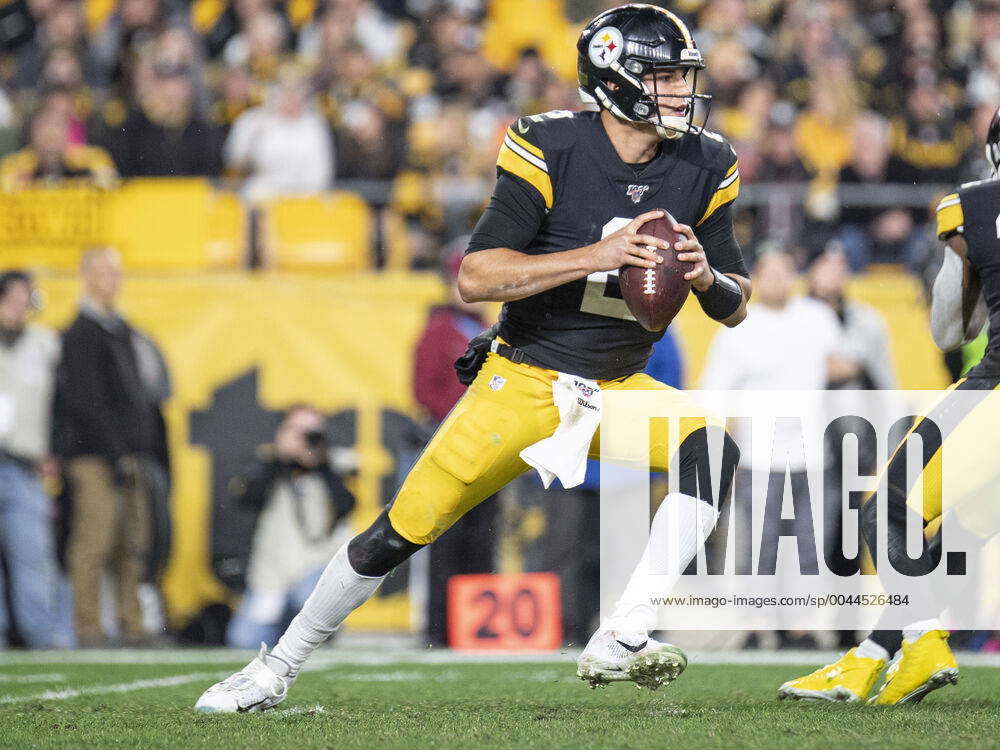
564,454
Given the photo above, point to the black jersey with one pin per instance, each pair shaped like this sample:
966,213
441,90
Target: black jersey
974,213
561,185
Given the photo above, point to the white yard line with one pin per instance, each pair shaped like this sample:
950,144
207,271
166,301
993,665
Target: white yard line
121,687
32,678
399,675
296,710
332,657
326,656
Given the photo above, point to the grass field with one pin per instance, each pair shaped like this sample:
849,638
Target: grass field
429,699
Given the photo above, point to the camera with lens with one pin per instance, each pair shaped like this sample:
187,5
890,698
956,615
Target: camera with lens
315,439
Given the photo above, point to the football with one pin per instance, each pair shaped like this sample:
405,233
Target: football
655,295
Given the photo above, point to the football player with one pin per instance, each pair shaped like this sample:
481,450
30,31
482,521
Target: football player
572,194
969,224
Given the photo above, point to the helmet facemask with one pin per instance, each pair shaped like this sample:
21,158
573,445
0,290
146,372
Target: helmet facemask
648,106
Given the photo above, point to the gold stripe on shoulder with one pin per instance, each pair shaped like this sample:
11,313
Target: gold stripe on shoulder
529,147
517,165
722,196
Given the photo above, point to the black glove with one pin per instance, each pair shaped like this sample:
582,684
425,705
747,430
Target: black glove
468,365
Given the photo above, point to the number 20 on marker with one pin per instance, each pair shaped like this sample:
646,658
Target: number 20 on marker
504,612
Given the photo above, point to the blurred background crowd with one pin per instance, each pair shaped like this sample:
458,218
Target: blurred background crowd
405,101
196,421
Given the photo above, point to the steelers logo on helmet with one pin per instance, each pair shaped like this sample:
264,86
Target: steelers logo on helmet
606,47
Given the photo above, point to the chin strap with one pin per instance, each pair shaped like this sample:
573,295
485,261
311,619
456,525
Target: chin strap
670,133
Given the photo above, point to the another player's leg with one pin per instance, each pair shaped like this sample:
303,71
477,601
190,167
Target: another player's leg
472,455
972,517
847,680
853,676
925,662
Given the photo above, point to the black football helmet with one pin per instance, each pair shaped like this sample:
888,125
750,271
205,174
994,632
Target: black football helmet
993,144
624,44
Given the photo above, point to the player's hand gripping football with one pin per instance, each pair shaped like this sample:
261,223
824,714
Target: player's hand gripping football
628,247
690,249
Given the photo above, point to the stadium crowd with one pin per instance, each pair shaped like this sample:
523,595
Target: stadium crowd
282,97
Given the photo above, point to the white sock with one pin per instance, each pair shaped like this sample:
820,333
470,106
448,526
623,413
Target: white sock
680,527
868,649
914,631
339,592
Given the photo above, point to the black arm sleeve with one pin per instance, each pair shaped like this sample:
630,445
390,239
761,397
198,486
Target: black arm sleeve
721,248
512,218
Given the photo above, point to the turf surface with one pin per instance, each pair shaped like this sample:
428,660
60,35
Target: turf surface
62,704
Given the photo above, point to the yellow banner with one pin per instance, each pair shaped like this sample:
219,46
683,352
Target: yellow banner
343,344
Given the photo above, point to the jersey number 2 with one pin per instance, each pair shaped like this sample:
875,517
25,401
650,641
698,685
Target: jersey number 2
595,297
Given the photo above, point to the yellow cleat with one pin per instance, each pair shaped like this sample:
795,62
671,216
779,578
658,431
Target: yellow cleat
847,680
926,664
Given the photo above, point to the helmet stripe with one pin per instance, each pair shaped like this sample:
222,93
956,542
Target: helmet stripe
683,27
688,40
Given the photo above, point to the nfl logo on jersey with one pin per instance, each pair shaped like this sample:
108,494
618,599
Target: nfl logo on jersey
635,192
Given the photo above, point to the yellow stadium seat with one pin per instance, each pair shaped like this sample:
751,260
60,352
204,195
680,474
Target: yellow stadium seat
227,232
162,224
324,232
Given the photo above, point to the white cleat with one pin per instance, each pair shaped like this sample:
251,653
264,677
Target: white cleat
256,687
612,656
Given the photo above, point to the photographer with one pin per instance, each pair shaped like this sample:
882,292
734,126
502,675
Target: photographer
302,506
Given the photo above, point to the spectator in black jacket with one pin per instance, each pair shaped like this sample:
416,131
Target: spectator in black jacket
870,232
301,506
112,439
166,136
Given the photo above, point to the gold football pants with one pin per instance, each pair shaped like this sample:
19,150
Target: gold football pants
476,449
965,421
